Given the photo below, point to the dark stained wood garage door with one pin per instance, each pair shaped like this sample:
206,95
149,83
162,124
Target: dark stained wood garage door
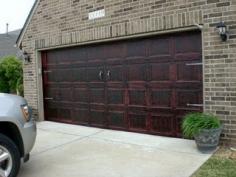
142,85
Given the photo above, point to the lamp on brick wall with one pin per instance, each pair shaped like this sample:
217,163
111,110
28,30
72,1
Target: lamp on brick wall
23,55
222,31
26,57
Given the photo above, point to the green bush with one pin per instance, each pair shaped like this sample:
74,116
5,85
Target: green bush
20,86
3,84
195,122
11,75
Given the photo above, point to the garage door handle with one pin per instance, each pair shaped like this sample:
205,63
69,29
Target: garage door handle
108,75
195,105
47,71
48,98
100,75
193,64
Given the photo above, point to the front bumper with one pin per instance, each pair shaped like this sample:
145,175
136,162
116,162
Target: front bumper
26,158
29,132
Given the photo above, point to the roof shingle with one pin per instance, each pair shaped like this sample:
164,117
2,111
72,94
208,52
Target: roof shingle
7,43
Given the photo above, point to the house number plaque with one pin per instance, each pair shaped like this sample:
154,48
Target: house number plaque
97,14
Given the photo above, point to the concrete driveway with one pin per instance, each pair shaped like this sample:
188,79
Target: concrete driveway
75,151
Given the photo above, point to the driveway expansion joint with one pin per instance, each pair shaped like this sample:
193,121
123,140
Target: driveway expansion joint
67,143
71,134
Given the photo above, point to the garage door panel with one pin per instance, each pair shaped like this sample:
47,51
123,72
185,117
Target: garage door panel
60,75
186,97
117,120
95,74
114,52
114,73
51,104
57,94
81,95
64,75
189,71
64,114
51,112
57,57
81,116
160,48
79,75
161,98
160,72
62,104
137,97
63,60
115,96
163,124
77,56
51,59
188,43
97,95
178,122
98,118
49,76
136,49
65,95
137,72
141,85
51,92
95,53
137,121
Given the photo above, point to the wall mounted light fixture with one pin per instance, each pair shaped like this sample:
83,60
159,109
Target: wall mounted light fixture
26,57
222,28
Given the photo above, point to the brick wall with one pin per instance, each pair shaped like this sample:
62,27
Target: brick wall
220,66
58,23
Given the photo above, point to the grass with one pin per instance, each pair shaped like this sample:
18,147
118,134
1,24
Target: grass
221,164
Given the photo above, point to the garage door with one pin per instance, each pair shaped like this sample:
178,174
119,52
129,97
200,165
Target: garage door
142,85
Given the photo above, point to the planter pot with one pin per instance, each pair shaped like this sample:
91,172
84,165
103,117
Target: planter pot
208,139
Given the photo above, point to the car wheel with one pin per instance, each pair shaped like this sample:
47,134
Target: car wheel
9,157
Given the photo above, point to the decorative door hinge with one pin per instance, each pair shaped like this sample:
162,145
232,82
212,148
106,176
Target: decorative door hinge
193,64
195,105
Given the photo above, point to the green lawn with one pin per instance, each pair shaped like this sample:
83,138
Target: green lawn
218,166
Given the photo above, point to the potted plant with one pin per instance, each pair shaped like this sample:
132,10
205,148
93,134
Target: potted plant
204,128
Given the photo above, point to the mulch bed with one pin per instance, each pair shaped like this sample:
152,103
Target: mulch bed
226,152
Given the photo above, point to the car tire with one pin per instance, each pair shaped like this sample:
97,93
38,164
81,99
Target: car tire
7,144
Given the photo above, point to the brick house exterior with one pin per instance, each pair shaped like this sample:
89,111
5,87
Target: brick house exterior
55,24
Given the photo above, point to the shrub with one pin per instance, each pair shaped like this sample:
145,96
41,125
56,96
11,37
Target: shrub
195,122
11,75
20,86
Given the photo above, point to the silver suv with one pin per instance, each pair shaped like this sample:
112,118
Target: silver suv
17,133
